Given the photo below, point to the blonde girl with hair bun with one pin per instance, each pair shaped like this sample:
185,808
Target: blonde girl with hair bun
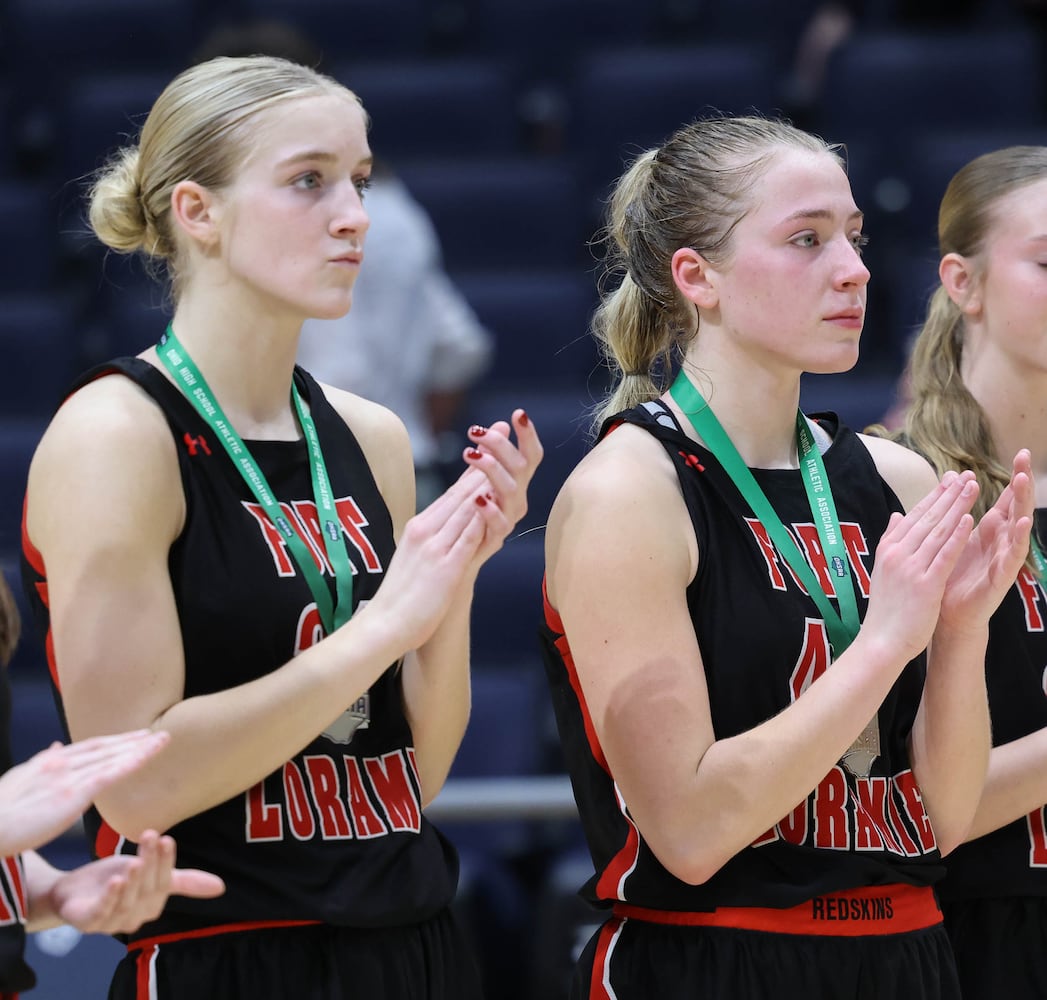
242,566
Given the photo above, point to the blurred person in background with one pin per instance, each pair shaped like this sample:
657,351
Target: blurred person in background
832,22
977,388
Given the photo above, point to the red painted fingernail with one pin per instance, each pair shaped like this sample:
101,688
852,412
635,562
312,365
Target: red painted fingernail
477,431
524,419
481,501
473,454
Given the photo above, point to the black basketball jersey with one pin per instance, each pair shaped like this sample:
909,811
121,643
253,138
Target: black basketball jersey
337,834
763,642
15,975
1011,861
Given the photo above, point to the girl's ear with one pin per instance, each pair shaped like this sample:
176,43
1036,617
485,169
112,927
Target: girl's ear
961,283
195,211
696,278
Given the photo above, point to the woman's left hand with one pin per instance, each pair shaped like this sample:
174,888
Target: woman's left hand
118,894
994,555
508,468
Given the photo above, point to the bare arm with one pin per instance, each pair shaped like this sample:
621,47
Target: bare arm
951,738
115,626
435,677
698,800
1015,785
437,699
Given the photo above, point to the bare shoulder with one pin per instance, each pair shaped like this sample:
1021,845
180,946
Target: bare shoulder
909,474
626,464
111,444
623,498
385,443
103,419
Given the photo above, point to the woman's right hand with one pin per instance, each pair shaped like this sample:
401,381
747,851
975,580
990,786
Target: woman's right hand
914,559
992,559
117,894
444,545
44,796
508,469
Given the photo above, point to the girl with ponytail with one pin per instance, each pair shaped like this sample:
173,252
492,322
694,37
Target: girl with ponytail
764,633
978,375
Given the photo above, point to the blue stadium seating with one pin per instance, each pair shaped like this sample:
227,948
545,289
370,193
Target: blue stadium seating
27,221
38,338
910,277
507,606
858,398
98,113
18,441
499,212
135,313
540,323
546,35
70,964
363,27
563,922
53,41
37,332
433,108
626,100
933,158
562,418
69,35
892,85
34,718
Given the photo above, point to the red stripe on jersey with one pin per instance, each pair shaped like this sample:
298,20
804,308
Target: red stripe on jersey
609,885
553,620
619,867
15,879
143,974
49,651
107,841
894,908
247,925
32,553
36,561
600,983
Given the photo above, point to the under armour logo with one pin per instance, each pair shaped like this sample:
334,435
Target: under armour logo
692,461
192,443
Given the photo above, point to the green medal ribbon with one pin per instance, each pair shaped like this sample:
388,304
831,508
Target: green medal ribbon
841,626
187,376
1039,561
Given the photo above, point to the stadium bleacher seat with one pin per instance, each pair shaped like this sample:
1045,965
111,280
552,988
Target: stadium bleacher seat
500,213
540,321
433,108
627,99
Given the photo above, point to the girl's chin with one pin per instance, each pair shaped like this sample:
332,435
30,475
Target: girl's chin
333,310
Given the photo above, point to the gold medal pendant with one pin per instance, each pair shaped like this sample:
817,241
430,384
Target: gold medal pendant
859,758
